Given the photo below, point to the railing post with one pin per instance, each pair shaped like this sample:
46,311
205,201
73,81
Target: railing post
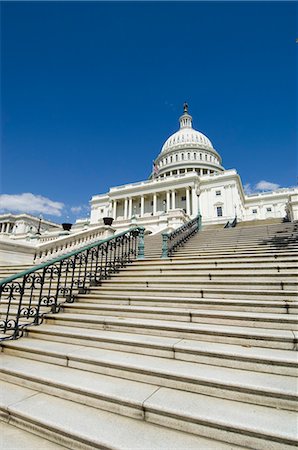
141,244
165,238
199,221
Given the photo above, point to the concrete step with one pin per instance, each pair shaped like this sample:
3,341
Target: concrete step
263,320
278,391
197,414
282,362
257,337
76,426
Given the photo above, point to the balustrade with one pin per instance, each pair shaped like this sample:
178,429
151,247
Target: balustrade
57,246
26,297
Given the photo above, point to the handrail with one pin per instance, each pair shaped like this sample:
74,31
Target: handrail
171,241
231,224
29,295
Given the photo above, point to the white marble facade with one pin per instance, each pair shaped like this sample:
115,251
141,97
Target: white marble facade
187,178
20,224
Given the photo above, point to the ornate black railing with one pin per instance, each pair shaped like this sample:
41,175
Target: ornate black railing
27,296
172,241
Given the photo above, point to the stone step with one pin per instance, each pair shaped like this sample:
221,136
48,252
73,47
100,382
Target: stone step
284,285
202,268
278,391
195,413
276,258
81,427
280,307
194,303
257,337
13,438
282,362
235,245
195,277
233,251
205,291
263,320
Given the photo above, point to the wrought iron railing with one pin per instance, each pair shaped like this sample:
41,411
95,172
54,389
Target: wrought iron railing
231,224
172,241
27,296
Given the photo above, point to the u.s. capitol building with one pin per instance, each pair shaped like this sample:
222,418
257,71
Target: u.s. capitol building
187,178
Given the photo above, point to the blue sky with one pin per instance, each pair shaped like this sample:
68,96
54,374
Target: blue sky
90,91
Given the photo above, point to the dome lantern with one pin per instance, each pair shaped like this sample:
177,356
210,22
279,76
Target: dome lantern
185,120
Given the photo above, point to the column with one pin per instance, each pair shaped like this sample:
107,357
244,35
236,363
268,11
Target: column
6,227
188,201
154,204
168,201
115,209
173,200
125,208
194,201
142,206
130,208
201,172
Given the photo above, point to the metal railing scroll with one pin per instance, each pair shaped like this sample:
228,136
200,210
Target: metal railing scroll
172,241
27,296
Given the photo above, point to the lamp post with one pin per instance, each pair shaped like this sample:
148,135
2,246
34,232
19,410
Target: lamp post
164,206
39,225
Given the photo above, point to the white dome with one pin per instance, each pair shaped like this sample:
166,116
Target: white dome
187,150
186,137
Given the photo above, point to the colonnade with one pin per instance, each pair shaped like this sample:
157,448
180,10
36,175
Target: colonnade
169,203
6,227
200,172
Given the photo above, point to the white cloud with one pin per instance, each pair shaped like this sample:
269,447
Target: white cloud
260,186
266,186
76,209
247,188
30,203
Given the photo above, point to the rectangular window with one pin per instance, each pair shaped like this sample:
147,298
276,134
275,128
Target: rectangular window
218,192
269,209
183,199
219,211
254,211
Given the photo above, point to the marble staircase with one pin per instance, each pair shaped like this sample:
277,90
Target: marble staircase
197,351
